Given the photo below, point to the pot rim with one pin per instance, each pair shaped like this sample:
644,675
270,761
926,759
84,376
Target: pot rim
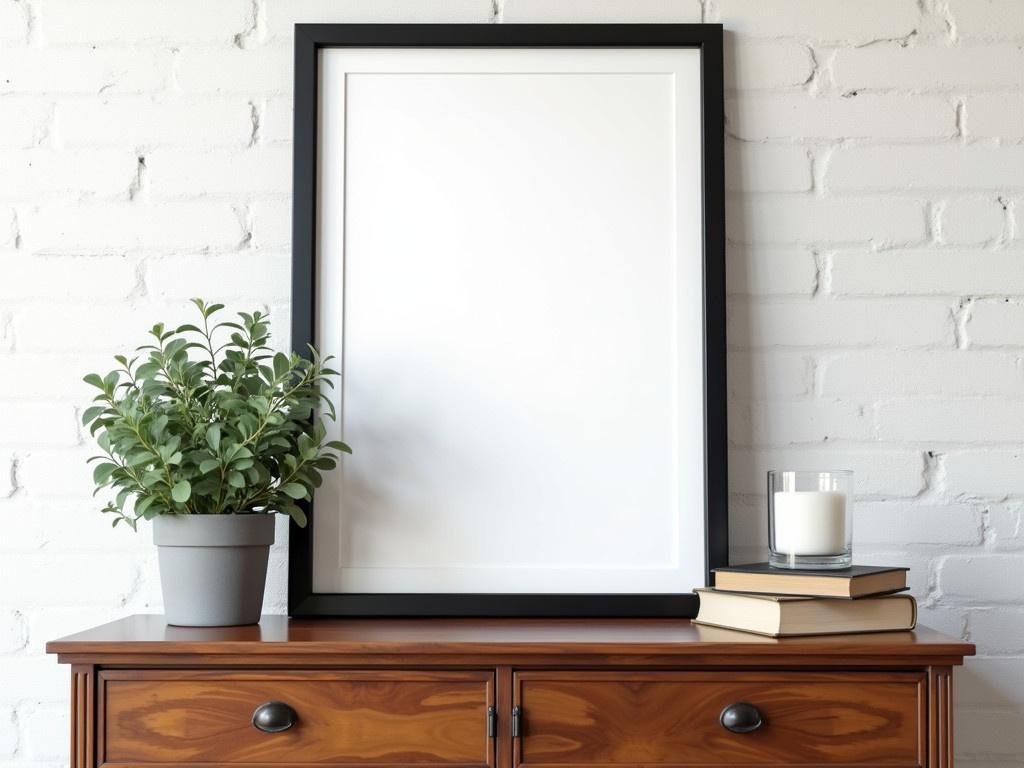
229,530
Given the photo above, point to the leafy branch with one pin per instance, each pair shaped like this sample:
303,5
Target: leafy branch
233,432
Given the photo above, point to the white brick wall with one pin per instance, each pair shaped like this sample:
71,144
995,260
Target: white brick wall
876,278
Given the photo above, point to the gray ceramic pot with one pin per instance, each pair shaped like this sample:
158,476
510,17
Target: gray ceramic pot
213,568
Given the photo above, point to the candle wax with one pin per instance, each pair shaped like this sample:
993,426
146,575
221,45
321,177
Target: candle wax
810,522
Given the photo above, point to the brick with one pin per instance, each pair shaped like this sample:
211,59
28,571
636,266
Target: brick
282,15
134,21
252,71
38,730
23,528
240,276
822,20
878,472
1005,523
13,22
100,173
921,372
973,221
31,424
988,19
13,632
950,167
7,470
188,173
38,368
991,682
917,272
990,732
276,121
770,270
783,116
758,375
52,622
813,421
997,631
272,225
116,228
8,238
752,64
918,577
147,596
140,122
901,523
74,525
991,473
982,420
120,328
26,122
805,219
748,521
8,732
950,620
927,67
569,11
37,478
753,167
995,115
28,277
96,580
996,323
34,679
86,69
840,323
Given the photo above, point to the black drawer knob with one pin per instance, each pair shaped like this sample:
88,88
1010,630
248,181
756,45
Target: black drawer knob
741,717
274,717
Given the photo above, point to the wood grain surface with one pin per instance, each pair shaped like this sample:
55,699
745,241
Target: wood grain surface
136,638
357,718
672,719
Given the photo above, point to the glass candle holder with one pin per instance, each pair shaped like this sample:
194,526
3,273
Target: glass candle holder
810,519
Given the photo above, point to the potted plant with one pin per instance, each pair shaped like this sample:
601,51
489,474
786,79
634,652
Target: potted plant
208,433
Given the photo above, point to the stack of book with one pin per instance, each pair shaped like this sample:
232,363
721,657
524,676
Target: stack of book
781,603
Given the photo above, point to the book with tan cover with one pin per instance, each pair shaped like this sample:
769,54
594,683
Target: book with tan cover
786,616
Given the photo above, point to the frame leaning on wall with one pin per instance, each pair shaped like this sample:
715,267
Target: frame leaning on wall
311,313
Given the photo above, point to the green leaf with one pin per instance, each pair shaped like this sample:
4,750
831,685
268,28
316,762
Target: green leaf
295,490
236,480
280,365
92,412
213,437
101,474
298,516
143,503
159,425
209,465
181,491
94,379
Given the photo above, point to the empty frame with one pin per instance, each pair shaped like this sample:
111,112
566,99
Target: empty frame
503,234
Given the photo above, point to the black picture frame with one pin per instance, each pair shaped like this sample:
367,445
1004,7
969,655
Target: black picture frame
310,39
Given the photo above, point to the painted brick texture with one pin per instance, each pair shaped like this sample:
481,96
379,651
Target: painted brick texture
875,181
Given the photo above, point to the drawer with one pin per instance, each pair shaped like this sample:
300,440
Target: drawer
342,718
673,719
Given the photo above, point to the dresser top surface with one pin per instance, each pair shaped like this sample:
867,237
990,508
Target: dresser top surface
150,634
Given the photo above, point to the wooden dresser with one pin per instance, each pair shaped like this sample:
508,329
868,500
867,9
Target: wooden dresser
504,693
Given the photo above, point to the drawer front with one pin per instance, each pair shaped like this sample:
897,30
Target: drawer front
342,718
673,719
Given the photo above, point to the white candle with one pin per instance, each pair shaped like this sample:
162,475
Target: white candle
810,522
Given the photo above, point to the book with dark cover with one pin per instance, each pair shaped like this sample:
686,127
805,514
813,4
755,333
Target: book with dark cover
857,581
